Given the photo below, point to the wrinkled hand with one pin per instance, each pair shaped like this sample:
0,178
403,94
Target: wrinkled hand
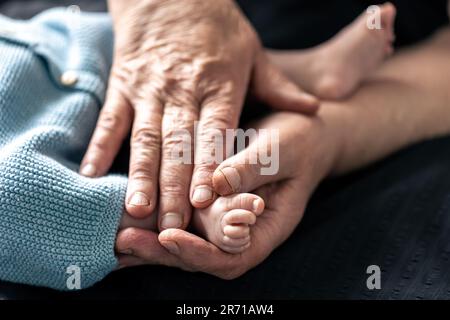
177,62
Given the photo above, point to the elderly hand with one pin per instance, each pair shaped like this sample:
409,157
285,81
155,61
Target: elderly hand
177,62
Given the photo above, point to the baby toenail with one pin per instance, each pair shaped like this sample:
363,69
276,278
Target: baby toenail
258,206
202,194
171,221
233,178
139,199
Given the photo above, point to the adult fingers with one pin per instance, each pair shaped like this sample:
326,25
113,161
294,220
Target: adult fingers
144,159
217,114
112,127
176,166
139,246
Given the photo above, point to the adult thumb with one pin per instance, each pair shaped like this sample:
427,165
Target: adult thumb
271,86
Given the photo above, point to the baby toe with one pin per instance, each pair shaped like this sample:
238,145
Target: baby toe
239,216
236,231
246,201
236,243
235,250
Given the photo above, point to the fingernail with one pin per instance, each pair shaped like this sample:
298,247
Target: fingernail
88,170
126,251
171,246
232,177
171,221
258,206
139,199
202,194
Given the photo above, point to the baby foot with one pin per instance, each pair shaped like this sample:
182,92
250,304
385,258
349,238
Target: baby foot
226,223
334,69
355,53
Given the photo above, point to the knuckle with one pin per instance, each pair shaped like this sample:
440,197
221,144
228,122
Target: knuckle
173,142
204,172
178,90
180,93
181,117
144,157
100,145
214,67
172,186
141,169
220,116
146,137
210,149
109,121
128,237
212,132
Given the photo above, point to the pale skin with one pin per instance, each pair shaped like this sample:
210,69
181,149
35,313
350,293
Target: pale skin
227,222
404,102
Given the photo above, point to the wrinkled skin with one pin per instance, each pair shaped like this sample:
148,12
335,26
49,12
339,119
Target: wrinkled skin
177,62
311,156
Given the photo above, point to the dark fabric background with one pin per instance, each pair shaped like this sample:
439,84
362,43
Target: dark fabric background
394,214
291,24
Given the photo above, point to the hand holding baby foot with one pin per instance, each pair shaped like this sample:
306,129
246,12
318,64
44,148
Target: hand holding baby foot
223,259
308,154
285,206
226,223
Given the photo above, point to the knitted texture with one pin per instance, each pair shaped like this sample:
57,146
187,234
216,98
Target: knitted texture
52,218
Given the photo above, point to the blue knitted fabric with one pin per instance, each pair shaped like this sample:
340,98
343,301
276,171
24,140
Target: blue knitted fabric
50,216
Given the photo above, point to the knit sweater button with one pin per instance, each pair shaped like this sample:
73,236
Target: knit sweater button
69,78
